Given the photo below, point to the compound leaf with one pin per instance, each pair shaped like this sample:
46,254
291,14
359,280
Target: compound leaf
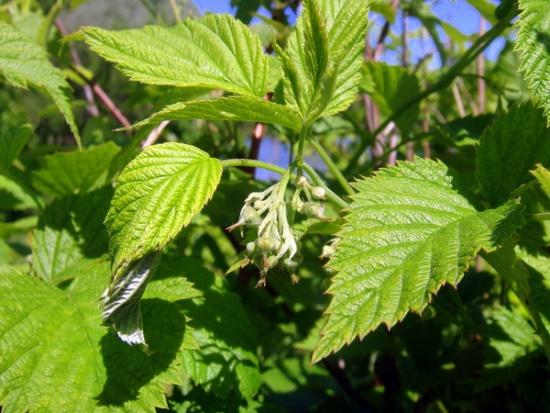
509,148
234,108
215,52
23,61
52,339
532,45
408,233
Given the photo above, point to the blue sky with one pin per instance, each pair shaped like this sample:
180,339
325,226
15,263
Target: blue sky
459,13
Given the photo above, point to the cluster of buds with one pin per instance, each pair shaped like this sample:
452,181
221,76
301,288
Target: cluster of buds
312,207
276,244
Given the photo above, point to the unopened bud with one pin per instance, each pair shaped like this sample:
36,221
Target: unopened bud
318,193
290,265
328,250
250,247
313,209
266,244
302,182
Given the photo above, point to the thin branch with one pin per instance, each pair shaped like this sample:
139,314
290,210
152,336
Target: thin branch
458,100
480,71
155,134
332,167
75,57
110,105
176,10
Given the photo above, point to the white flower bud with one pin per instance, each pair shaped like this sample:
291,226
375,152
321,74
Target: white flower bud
318,193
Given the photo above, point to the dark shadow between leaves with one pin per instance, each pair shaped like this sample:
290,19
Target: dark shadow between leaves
544,38
131,368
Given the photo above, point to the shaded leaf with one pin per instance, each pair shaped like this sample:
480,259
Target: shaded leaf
12,142
70,229
509,148
65,173
391,86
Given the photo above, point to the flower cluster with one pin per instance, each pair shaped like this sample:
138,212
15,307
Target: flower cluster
276,243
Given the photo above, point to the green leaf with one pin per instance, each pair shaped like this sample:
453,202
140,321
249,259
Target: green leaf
322,61
65,173
156,195
22,61
408,232
215,52
233,108
70,229
391,86
225,358
12,142
510,339
57,356
532,45
509,148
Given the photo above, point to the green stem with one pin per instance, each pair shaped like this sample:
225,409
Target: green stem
44,29
541,216
317,180
300,152
253,163
331,196
445,80
332,167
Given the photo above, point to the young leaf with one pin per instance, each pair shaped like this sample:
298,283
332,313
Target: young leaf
391,86
532,45
235,108
65,173
408,233
156,195
22,61
509,148
322,61
215,52
56,355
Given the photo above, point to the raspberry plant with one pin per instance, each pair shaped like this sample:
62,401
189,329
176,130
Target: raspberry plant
399,262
